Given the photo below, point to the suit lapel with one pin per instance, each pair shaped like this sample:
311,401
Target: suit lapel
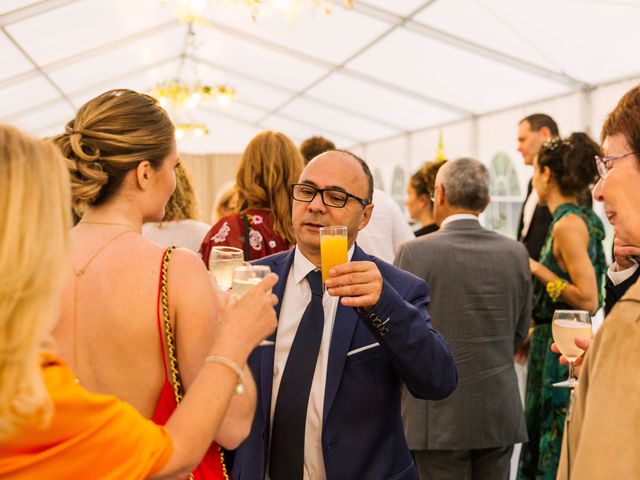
281,268
344,326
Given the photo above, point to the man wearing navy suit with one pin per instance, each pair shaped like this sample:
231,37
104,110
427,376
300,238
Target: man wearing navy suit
340,418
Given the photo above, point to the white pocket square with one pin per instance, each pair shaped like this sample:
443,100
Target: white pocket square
362,349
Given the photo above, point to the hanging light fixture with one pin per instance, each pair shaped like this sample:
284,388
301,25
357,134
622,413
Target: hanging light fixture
183,98
192,10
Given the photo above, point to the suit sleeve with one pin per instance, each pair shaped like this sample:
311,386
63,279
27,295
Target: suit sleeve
524,320
402,326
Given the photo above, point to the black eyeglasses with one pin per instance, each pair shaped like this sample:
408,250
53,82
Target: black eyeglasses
604,163
330,196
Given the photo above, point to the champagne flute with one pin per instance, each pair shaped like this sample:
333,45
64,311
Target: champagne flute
222,261
245,278
566,325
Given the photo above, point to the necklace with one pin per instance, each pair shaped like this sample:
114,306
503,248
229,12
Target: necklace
108,223
78,274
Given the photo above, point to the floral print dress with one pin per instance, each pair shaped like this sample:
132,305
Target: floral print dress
230,232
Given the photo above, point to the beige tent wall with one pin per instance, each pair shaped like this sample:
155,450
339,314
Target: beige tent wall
209,173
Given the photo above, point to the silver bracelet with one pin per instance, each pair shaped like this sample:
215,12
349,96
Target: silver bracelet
240,388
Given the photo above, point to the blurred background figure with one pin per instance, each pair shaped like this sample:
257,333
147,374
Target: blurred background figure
314,146
419,194
180,226
568,276
122,156
225,202
262,222
387,228
51,425
535,218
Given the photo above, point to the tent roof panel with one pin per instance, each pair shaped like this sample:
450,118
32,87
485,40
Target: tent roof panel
372,101
471,81
13,61
81,26
20,97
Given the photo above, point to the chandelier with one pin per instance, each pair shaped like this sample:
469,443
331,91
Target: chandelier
192,10
181,98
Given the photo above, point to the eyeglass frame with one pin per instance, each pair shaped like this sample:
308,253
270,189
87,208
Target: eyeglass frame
321,191
601,162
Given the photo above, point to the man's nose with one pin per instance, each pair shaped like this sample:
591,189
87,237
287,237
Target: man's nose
316,204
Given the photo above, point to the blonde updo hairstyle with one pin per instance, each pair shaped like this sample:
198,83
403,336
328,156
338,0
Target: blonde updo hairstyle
269,165
35,218
110,135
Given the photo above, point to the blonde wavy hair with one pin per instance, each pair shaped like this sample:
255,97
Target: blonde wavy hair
182,204
35,217
269,165
110,135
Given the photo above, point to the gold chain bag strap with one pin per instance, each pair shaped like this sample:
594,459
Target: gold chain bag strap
176,380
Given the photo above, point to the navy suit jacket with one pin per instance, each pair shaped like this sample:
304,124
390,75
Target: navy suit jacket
362,434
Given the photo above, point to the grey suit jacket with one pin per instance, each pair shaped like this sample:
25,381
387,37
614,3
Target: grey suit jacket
481,303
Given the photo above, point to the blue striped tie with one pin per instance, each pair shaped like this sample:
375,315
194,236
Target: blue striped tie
286,461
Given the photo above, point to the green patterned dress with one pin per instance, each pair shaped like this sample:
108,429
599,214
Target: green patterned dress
546,406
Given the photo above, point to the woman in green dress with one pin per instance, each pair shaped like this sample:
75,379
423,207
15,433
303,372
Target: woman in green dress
568,275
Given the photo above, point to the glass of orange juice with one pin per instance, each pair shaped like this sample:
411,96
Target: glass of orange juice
333,248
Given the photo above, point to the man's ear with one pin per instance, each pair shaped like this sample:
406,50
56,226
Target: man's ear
486,204
144,172
366,216
545,133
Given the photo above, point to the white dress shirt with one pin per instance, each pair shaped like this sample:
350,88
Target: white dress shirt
387,228
459,216
527,211
618,276
297,296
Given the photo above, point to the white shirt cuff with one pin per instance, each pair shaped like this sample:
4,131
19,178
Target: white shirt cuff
618,276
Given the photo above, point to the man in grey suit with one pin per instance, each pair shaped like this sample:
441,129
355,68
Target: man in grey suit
481,302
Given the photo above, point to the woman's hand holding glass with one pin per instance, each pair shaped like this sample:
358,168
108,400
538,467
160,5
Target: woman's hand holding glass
568,326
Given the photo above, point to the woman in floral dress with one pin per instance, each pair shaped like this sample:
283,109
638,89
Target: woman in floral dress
262,225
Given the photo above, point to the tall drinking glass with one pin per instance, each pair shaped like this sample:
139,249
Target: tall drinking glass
246,277
222,261
333,248
567,324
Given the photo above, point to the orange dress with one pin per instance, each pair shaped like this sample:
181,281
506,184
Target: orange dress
90,436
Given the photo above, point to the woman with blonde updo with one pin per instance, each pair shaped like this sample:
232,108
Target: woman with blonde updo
180,225
269,165
122,157
51,426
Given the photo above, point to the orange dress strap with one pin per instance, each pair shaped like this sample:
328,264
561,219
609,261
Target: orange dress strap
211,466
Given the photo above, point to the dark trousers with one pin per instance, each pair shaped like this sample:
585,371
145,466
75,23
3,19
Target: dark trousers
480,464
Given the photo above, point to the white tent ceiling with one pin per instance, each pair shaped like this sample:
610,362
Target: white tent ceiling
380,69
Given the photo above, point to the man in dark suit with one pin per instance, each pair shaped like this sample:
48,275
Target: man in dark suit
533,131
481,302
329,388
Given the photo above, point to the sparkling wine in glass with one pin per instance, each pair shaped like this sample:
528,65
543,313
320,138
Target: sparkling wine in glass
246,277
567,324
222,261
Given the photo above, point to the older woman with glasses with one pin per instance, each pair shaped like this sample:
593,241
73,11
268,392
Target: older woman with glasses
601,439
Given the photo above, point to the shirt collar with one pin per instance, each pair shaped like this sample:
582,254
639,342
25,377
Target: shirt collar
302,265
458,216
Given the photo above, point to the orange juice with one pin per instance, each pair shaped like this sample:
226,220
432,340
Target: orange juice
333,251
